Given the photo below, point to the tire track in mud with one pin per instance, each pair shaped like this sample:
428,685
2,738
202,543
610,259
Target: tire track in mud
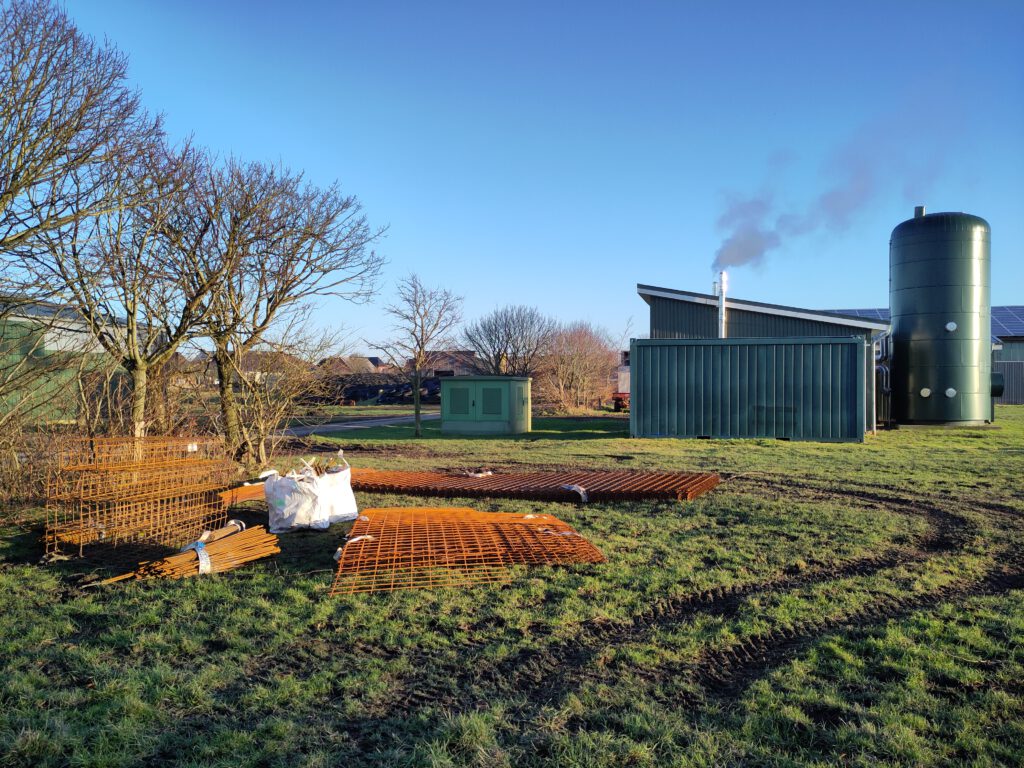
725,673
544,675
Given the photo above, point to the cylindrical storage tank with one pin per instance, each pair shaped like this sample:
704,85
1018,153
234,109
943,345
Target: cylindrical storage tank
941,319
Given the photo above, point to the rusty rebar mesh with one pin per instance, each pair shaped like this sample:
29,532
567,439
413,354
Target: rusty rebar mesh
116,491
409,548
599,485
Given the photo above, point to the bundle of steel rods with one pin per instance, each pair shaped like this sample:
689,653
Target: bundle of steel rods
215,552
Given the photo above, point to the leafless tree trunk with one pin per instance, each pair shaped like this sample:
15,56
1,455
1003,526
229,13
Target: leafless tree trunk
290,242
424,319
142,277
509,341
65,113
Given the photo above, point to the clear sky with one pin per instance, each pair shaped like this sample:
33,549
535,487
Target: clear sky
556,154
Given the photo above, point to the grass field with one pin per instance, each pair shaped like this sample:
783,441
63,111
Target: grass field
854,604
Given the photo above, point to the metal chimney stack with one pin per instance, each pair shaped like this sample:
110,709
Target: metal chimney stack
723,285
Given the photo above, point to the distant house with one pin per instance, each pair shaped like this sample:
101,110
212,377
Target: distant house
353,364
455,362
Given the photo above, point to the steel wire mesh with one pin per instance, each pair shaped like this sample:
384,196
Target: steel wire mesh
599,485
413,548
135,490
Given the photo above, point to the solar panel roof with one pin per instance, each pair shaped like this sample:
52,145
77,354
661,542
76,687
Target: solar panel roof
1007,321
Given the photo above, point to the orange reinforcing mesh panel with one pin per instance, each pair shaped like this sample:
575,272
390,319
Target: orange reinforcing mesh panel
544,486
415,547
135,490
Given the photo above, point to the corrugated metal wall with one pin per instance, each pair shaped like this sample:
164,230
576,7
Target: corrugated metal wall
1012,350
674,319
671,319
1013,381
809,388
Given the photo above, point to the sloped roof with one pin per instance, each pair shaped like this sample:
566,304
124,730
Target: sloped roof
825,316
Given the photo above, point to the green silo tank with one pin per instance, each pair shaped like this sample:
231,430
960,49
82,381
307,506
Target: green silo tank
939,268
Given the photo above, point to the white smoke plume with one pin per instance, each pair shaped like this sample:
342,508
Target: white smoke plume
858,171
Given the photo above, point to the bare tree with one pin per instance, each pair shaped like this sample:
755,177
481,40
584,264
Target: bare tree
577,367
289,242
424,319
64,114
141,276
277,378
509,341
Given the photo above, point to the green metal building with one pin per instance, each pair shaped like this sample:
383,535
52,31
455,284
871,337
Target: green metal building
799,388
688,315
474,405
780,371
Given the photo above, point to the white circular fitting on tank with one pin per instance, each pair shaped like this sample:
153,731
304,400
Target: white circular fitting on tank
950,326
950,392
926,392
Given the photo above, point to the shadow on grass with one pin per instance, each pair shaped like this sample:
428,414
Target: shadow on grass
547,428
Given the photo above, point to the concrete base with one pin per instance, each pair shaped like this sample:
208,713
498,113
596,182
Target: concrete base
478,428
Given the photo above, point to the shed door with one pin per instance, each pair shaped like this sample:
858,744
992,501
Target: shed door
493,403
461,402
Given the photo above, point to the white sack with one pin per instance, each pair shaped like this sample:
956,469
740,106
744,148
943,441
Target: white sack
306,500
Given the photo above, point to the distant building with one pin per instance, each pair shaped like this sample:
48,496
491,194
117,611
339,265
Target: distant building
455,362
44,349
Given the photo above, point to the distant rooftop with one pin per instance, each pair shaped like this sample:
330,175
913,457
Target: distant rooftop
1007,321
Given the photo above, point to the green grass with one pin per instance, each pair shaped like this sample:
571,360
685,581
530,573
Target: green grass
828,604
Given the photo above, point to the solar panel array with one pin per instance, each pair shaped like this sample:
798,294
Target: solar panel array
1007,321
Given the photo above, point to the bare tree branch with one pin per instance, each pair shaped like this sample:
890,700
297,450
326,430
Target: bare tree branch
290,242
65,113
424,319
510,340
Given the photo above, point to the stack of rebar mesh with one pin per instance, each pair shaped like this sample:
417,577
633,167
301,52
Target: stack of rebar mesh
413,547
149,490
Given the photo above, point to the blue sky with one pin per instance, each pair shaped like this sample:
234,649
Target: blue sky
556,154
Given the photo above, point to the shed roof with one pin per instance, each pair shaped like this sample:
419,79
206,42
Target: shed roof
825,316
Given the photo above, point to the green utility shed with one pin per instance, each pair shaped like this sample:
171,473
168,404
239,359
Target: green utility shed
810,388
473,405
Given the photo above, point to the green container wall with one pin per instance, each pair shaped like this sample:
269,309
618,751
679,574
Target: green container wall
939,273
807,388
485,405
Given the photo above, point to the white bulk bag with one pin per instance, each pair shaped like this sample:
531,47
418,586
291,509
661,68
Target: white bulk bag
307,500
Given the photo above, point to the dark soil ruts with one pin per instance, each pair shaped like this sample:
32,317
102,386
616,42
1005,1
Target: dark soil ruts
549,671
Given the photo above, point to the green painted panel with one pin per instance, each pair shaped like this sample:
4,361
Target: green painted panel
805,388
492,400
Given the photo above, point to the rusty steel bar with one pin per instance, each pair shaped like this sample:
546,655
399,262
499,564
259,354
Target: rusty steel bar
600,485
